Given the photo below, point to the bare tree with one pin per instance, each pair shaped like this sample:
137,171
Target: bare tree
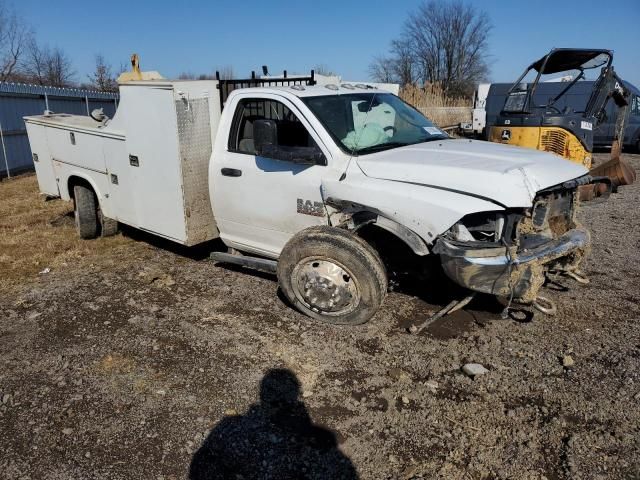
443,42
449,43
397,67
14,37
34,64
59,70
225,71
22,59
402,61
121,69
46,66
382,69
192,76
102,78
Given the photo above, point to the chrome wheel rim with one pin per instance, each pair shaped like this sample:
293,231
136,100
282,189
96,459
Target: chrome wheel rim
325,286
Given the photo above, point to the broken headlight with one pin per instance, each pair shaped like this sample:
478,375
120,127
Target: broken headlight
485,227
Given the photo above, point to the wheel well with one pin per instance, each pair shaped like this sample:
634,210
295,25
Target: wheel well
407,271
73,181
365,218
394,251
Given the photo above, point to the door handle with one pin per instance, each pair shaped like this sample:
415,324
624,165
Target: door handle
231,172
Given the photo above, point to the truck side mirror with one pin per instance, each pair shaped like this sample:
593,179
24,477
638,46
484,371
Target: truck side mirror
265,133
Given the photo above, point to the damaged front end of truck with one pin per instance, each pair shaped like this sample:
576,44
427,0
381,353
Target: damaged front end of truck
509,253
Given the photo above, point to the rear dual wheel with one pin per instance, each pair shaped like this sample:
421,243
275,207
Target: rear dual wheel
331,275
89,220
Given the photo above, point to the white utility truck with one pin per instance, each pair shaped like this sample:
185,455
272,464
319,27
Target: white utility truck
304,180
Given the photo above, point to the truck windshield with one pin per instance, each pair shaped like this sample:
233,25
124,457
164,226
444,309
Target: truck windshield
362,123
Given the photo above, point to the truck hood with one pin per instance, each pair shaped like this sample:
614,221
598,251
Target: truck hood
506,175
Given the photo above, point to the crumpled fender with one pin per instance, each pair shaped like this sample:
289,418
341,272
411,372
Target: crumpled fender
426,211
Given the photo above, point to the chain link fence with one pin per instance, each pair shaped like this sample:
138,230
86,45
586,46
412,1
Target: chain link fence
19,100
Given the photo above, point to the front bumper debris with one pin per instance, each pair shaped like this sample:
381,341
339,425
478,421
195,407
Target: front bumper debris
504,272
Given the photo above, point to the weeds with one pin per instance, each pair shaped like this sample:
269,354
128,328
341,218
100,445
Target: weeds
432,101
36,234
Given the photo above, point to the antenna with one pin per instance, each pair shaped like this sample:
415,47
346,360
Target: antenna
355,144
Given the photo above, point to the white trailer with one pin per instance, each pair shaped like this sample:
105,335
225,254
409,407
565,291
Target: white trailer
310,181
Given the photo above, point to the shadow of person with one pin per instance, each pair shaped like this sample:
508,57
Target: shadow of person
275,439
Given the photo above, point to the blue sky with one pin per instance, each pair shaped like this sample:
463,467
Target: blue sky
196,36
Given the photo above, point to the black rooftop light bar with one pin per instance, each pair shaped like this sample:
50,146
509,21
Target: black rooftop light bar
225,87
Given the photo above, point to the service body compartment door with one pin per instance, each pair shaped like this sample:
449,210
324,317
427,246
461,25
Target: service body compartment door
194,134
260,203
76,147
42,159
152,160
122,188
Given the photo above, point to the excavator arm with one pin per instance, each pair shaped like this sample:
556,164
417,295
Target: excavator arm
610,86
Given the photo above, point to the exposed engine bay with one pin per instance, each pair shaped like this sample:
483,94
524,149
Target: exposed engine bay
510,253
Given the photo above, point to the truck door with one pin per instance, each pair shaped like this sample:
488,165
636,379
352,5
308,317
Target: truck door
259,203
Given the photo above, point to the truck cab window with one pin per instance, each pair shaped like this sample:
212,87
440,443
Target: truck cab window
291,132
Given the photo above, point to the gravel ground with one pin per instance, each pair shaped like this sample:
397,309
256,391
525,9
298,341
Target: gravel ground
150,362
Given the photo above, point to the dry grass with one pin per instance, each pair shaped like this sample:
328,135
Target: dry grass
431,95
36,234
438,107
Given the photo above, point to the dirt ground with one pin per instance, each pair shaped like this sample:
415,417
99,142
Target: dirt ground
132,358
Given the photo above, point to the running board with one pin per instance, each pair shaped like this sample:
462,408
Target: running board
256,263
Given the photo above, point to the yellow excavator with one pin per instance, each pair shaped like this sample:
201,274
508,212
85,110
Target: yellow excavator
526,122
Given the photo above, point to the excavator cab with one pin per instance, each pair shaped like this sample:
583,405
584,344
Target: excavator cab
551,124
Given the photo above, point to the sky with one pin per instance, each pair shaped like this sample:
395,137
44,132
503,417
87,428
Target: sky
198,36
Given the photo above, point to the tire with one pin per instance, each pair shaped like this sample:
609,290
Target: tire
85,212
108,226
331,275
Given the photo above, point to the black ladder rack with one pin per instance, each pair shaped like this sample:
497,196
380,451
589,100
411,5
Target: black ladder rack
225,87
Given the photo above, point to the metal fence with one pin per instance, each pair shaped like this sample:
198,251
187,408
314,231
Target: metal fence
18,100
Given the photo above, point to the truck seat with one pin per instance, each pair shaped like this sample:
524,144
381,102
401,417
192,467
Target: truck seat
245,140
